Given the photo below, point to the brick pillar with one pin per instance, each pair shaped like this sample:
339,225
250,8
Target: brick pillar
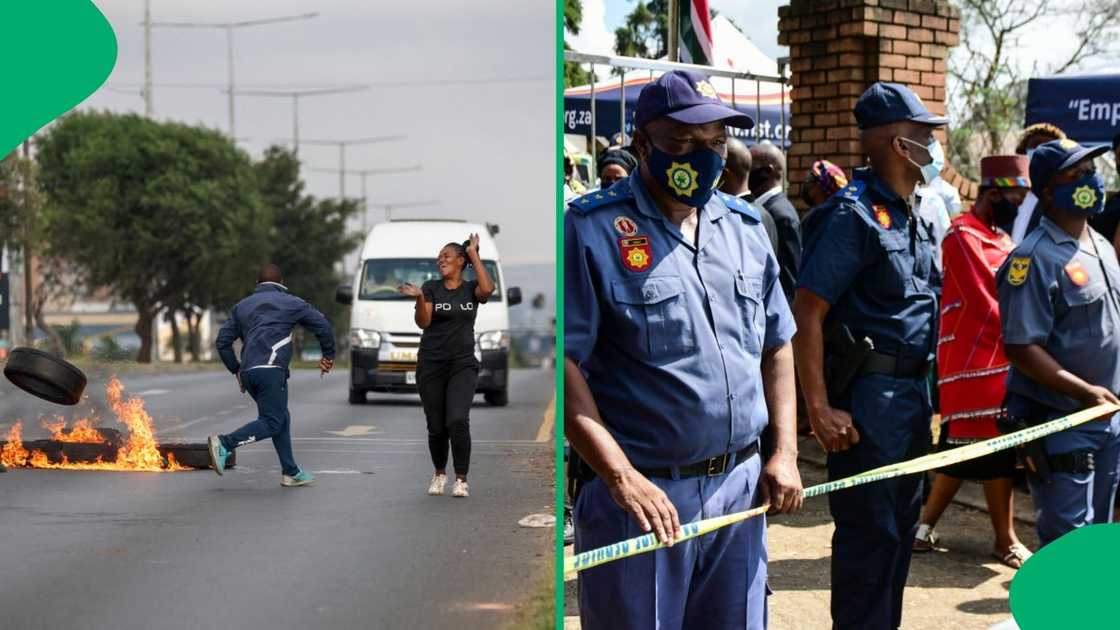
840,47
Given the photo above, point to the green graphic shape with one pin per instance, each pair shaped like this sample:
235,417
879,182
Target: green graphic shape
57,54
1070,583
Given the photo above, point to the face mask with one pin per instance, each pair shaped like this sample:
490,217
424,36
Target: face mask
690,178
1004,212
936,160
1030,152
1083,197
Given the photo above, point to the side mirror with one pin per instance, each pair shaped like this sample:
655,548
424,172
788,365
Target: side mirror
344,294
513,296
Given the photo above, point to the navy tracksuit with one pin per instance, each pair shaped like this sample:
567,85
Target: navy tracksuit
264,322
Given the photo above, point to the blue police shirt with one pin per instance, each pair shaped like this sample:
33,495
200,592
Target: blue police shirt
1063,295
872,262
669,333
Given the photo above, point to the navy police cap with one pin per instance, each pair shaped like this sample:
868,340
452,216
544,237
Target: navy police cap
886,103
686,97
1057,155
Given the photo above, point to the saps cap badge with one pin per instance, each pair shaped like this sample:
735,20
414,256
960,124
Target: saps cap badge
705,89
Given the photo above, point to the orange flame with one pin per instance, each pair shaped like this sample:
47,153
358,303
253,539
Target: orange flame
139,453
13,453
82,431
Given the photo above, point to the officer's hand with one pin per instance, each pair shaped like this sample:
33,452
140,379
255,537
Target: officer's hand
239,383
780,484
325,365
647,503
472,244
833,428
1097,395
409,289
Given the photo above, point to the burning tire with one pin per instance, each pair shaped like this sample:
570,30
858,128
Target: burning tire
46,376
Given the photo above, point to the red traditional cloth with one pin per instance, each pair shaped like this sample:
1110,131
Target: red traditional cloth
971,365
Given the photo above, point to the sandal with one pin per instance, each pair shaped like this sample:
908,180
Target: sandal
1015,557
925,539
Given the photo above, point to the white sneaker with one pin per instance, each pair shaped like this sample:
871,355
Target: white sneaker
460,489
437,485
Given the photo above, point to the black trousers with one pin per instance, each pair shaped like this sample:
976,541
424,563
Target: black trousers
447,391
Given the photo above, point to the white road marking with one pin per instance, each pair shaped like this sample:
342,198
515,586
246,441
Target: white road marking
182,425
152,392
354,429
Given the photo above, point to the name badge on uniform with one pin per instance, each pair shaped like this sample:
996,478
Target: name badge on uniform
1077,273
1017,272
636,253
882,216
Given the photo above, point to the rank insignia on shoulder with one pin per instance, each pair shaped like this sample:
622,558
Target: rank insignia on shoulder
1077,274
625,226
853,191
1017,272
637,255
882,216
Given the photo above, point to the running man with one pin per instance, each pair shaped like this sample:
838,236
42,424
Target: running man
264,322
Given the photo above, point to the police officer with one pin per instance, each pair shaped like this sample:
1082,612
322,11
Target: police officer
865,279
1059,298
677,341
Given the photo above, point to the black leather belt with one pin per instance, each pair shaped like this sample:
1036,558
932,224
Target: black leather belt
711,467
891,365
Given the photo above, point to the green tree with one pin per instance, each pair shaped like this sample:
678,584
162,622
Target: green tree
21,229
309,236
988,73
149,210
574,74
645,33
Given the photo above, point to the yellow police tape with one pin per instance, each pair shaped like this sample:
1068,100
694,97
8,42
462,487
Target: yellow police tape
649,542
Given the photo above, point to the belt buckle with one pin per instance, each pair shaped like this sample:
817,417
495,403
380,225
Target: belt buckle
717,465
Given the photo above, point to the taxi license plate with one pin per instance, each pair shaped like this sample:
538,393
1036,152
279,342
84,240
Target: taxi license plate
410,378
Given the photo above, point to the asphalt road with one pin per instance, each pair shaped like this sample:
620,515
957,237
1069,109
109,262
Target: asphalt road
364,548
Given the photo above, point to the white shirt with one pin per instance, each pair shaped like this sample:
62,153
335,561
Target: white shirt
948,194
764,197
932,212
1023,217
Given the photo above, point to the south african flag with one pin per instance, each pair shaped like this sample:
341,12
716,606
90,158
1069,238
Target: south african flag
694,32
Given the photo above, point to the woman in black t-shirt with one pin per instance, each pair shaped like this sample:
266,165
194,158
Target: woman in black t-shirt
447,370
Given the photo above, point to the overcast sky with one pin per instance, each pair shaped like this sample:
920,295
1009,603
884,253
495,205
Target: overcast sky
479,113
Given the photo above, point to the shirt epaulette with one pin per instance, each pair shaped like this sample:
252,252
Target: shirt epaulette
854,190
741,206
601,198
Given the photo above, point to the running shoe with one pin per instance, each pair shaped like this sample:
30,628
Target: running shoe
218,454
439,482
460,489
302,478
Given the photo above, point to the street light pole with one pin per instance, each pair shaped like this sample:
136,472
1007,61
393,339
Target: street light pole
229,66
148,58
365,173
228,27
295,95
342,144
